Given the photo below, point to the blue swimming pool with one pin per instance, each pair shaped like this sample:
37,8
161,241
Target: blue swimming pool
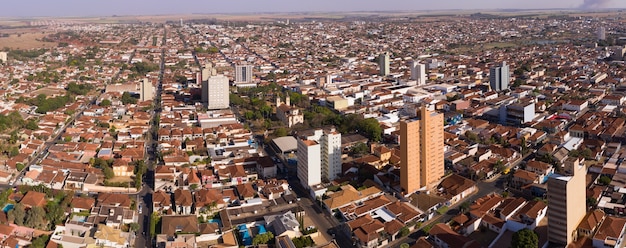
7,207
245,235
261,229
218,221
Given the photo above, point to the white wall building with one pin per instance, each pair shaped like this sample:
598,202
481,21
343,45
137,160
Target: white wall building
147,90
217,90
243,73
418,72
309,162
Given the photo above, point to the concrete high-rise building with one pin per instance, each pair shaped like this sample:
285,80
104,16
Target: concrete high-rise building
330,152
418,72
216,90
309,162
383,63
566,202
3,57
421,151
208,71
601,33
499,77
243,73
147,90
410,156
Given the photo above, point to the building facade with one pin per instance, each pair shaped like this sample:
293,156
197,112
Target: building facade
421,151
566,202
383,63
217,92
499,77
309,162
331,155
418,72
147,90
243,73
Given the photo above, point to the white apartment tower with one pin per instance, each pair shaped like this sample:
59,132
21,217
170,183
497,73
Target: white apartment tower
216,91
331,154
147,90
499,77
328,157
418,72
243,73
309,162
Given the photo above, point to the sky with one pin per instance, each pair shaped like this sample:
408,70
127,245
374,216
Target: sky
57,8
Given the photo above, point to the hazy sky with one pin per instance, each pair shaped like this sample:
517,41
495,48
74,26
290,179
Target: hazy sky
23,8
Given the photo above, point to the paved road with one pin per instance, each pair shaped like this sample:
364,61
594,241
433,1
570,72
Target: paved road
144,197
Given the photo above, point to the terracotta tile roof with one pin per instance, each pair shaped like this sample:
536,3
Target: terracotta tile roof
611,228
33,198
183,197
108,199
161,198
451,238
82,203
591,220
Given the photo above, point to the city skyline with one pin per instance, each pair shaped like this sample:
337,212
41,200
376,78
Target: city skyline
79,8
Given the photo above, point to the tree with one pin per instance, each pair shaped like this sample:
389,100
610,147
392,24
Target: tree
193,187
604,180
304,241
108,172
32,125
14,151
280,132
105,103
404,231
464,207
134,226
359,149
591,202
264,238
55,213
40,242
525,238
128,99
371,128
35,218
17,214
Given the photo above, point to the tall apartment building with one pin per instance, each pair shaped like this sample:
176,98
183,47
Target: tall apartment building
383,63
418,72
3,57
329,153
147,90
421,151
499,77
566,202
216,90
309,162
243,73
601,33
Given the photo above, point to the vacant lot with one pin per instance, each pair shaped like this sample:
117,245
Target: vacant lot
25,41
48,91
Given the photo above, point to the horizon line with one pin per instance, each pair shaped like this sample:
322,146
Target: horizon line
575,10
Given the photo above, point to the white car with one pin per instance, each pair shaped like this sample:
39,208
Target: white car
140,209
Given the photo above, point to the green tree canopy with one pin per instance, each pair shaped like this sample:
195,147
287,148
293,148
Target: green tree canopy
105,103
525,238
128,99
264,238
